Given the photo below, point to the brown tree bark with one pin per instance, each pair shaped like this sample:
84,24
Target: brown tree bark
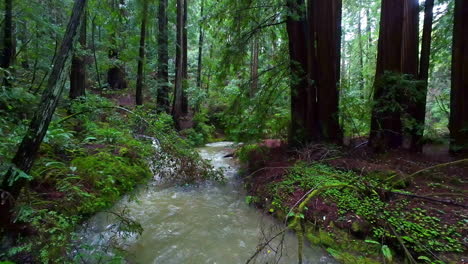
179,108
386,125
141,58
116,74
12,184
200,46
8,51
163,59
296,29
254,68
410,67
459,93
78,66
327,15
423,76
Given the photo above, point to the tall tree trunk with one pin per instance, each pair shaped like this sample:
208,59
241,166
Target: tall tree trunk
459,93
141,59
361,52
327,15
423,76
178,108
163,59
200,46
8,42
116,74
96,66
78,66
12,182
185,106
386,126
410,67
254,68
296,29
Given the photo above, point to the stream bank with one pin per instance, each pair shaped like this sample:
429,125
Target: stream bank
203,223
377,214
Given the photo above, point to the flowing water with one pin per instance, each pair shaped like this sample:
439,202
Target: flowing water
210,223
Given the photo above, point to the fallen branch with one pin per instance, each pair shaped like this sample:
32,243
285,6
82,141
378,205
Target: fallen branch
448,202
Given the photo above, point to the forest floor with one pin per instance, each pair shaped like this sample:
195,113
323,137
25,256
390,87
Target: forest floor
423,214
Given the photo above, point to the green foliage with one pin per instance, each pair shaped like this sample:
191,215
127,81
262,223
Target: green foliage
419,231
111,177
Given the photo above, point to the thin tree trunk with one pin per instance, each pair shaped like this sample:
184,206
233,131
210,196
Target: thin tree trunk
200,47
163,59
361,53
78,67
420,110
177,106
141,60
185,106
12,183
459,93
93,36
8,42
386,126
254,68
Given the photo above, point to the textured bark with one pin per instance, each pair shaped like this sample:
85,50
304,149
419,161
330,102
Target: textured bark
423,76
459,93
179,105
78,67
185,107
327,15
200,47
296,29
31,142
386,126
361,53
163,59
410,67
141,58
254,68
8,51
116,74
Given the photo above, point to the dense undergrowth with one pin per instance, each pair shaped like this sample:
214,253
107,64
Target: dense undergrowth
93,153
357,216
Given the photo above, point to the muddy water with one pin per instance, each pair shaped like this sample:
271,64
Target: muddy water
205,224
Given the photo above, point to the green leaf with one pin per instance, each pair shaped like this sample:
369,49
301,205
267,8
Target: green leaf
387,253
424,258
372,242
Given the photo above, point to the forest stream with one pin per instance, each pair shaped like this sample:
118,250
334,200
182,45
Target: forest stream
210,223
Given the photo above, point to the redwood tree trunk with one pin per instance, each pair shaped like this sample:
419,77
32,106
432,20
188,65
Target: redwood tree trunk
410,66
78,67
178,108
163,59
254,68
185,106
296,29
459,93
27,150
141,59
8,41
200,47
386,126
116,74
423,76
327,15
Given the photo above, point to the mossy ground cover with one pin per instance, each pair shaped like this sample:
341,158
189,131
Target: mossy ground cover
91,156
364,222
